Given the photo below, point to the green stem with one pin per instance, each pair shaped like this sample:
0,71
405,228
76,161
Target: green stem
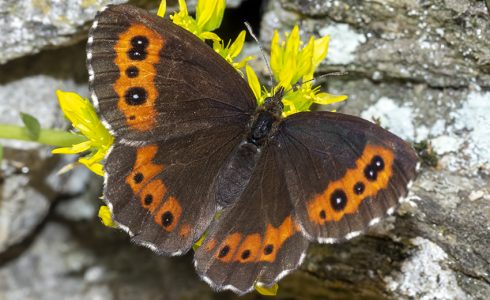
51,137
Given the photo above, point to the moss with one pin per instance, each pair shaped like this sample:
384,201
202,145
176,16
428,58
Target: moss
426,153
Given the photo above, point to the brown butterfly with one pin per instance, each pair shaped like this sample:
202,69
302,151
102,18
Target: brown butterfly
190,141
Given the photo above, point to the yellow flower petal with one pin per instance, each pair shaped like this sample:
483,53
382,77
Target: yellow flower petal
265,290
237,46
305,68
253,81
321,50
325,98
292,46
209,14
183,8
239,65
209,36
97,168
199,242
276,55
77,148
106,217
162,8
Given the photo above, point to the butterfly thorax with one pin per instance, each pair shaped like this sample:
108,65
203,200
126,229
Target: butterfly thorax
261,128
265,119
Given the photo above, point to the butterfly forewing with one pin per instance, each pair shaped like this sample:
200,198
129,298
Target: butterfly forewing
343,173
153,80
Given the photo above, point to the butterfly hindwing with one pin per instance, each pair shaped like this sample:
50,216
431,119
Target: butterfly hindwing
257,238
153,80
162,193
344,173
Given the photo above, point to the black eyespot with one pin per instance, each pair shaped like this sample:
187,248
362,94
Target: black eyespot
323,215
136,54
224,251
338,200
370,173
138,177
135,96
378,163
148,199
167,219
132,72
140,42
268,249
132,117
245,254
359,188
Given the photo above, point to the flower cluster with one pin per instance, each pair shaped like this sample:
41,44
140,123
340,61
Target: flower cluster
293,68
83,118
209,15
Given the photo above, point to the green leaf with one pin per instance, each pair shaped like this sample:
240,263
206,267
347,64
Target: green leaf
32,125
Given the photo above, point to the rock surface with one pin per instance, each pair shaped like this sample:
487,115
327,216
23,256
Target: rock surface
27,27
420,68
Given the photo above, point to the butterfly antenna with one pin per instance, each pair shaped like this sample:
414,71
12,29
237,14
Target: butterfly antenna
336,73
249,28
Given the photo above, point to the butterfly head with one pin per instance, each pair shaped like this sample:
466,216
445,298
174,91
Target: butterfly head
274,104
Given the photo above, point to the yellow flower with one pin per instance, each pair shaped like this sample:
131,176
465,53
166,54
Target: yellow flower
266,291
209,14
293,68
289,63
232,50
83,118
199,242
106,217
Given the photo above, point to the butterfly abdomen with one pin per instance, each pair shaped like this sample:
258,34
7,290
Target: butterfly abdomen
233,178
239,166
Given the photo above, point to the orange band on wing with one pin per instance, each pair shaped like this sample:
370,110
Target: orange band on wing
152,194
275,237
228,247
144,169
137,53
254,247
249,248
210,245
169,214
371,174
185,230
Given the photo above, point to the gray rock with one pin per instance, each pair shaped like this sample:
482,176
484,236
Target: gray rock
21,210
27,27
29,180
441,43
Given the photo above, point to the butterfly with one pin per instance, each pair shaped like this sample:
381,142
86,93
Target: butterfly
195,154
